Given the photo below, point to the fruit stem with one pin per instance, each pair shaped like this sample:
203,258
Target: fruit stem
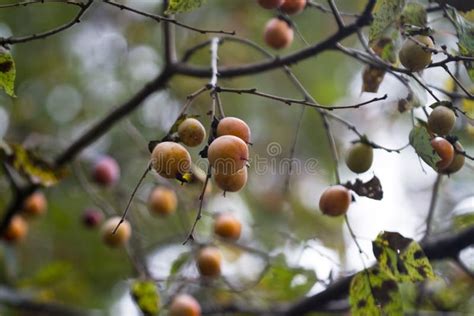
122,219
432,207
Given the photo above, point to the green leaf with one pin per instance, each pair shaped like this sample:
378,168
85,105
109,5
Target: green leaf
414,14
49,275
463,221
177,6
463,214
465,31
420,140
7,72
145,294
401,258
374,293
386,13
179,263
284,283
30,165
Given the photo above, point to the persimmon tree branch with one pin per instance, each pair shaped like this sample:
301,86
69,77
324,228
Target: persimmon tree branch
28,38
20,301
241,70
212,85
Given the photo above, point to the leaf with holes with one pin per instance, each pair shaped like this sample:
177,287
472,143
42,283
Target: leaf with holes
145,294
386,14
371,189
374,293
30,165
7,72
465,31
420,140
401,258
178,6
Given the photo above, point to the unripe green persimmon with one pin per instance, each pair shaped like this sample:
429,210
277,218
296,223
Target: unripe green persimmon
360,157
416,57
441,120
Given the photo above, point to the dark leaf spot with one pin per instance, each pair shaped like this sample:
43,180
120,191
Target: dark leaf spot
6,66
401,267
396,241
362,303
382,293
421,271
418,254
377,250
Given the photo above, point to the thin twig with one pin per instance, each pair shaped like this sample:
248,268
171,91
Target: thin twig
299,123
432,206
160,18
98,200
458,82
337,15
320,7
289,101
28,2
452,95
362,137
199,212
259,67
23,39
124,215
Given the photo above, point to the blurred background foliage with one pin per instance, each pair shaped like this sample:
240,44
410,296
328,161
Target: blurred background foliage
68,81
